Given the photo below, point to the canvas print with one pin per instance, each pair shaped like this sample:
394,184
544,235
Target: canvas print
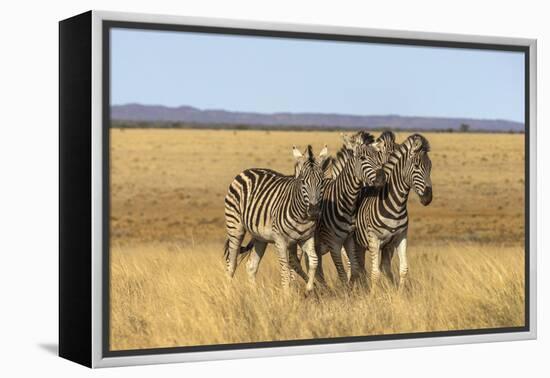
273,189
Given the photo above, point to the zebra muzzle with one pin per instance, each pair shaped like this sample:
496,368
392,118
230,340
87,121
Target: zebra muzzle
380,179
426,198
313,211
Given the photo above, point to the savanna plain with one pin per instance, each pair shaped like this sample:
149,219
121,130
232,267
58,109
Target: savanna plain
167,281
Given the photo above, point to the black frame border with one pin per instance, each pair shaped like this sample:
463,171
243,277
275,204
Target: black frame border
108,25
75,189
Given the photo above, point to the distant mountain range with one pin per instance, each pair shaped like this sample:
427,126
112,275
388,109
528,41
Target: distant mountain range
163,116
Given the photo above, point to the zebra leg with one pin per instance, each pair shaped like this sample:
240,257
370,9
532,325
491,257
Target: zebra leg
347,262
374,251
360,252
291,262
385,263
235,237
295,263
309,248
254,260
336,254
282,250
300,253
354,269
319,274
403,265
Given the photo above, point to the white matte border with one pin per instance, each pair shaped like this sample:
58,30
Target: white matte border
97,189
99,361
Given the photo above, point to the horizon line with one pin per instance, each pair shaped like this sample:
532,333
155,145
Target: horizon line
320,112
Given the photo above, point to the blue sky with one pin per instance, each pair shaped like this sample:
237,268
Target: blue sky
267,75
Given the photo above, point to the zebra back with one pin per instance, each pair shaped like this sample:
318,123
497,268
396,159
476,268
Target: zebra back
262,201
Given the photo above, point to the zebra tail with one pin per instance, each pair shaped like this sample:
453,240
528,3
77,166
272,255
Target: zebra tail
226,250
242,251
245,251
248,247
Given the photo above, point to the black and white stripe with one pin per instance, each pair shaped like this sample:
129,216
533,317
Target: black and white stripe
356,165
351,142
340,199
385,144
382,218
274,208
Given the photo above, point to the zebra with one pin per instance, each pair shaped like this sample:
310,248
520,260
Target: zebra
382,219
359,166
339,202
275,208
385,144
339,206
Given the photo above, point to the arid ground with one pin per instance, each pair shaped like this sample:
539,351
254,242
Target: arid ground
168,287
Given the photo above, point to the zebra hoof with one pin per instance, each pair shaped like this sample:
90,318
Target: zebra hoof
402,289
311,294
321,287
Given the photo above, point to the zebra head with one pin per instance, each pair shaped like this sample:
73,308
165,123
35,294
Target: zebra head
420,167
351,142
309,175
369,167
386,145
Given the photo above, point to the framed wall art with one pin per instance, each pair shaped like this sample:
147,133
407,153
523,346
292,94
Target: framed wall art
234,189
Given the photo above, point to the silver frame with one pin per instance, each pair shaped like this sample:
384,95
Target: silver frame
97,358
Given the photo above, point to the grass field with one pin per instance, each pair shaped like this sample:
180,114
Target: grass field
167,232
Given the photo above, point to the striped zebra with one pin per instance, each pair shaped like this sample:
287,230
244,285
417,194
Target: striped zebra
278,209
382,219
386,145
340,200
360,167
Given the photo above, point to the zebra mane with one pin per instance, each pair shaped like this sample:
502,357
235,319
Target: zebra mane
366,137
343,153
424,144
387,135
361,138
401,149
310,156
399,152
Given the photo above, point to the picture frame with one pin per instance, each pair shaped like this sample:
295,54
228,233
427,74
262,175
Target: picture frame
84,244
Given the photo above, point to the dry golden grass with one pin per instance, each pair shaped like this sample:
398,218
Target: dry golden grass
167,295
167,231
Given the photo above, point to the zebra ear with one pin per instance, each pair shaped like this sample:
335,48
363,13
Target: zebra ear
296,153
298,160
348,141
416,146
324,160
378,145
324,152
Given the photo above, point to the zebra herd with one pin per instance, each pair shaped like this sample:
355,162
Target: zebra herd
348,204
